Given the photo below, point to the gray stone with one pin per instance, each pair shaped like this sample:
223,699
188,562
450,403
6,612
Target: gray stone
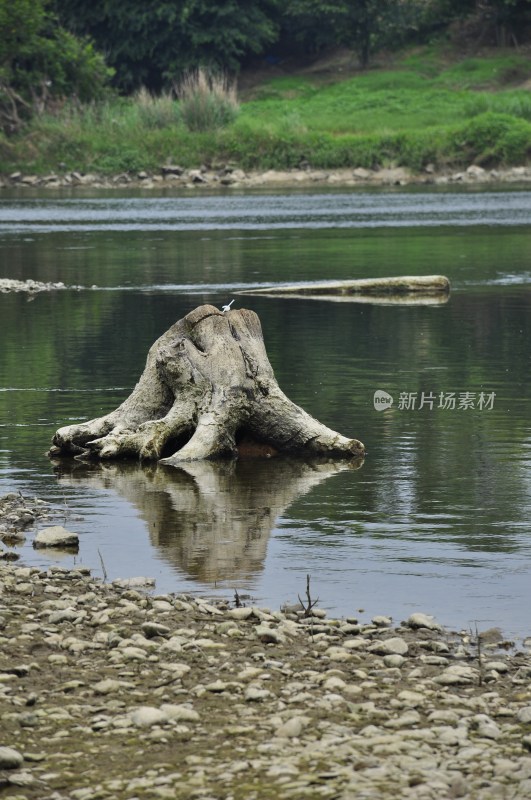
476,172
394,646
109,685
498,666
485,727
293,727
419,620
240,613
382,622
255,694
152,629
179,713
456,675
10,758
146,716
394,661
132,583
268,635
56,536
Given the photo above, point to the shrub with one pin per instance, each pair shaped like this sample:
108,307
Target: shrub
208,100
492,139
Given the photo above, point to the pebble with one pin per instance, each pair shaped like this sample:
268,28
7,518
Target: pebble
109,686
382,622
10,758
393,646
394,660
139,582
255,694
146,716
524,715
179,713
485,726
268,635
240,613
152,629
419,620
457,675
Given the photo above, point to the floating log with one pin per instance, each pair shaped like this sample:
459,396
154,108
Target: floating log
425,285
207,389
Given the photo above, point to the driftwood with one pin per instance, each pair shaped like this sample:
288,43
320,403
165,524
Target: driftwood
207,391
405,285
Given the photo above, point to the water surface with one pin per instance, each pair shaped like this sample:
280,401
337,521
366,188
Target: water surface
436,519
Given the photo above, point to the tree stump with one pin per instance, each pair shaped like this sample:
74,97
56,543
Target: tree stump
207,391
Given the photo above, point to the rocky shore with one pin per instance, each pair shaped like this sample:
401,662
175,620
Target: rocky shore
225,176
114,691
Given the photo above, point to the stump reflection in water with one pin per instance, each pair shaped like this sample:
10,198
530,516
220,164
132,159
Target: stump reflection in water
212,520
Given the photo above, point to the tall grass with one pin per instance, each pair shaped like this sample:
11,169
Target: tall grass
156,111
208,101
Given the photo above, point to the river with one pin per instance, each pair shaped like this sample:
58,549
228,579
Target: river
438,517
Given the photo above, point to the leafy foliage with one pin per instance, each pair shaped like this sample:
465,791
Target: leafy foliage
362,25
152,44
41,63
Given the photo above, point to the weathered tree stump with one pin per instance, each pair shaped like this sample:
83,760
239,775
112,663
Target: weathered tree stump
207,390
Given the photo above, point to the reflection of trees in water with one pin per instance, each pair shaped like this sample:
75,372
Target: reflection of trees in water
212,520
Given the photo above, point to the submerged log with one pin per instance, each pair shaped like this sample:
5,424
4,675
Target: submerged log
206,389
403,285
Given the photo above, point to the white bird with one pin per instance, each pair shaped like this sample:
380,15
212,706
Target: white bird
227,308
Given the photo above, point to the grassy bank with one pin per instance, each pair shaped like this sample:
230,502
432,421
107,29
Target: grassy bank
424,109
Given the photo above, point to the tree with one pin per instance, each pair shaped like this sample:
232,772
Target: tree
362,25
41,63
152,44
508,18
501,22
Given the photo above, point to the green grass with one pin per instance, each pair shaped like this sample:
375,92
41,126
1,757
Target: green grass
426,109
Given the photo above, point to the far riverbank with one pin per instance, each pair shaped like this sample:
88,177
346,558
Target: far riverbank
173,176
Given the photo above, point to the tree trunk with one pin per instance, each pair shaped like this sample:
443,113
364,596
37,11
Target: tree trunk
207,390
